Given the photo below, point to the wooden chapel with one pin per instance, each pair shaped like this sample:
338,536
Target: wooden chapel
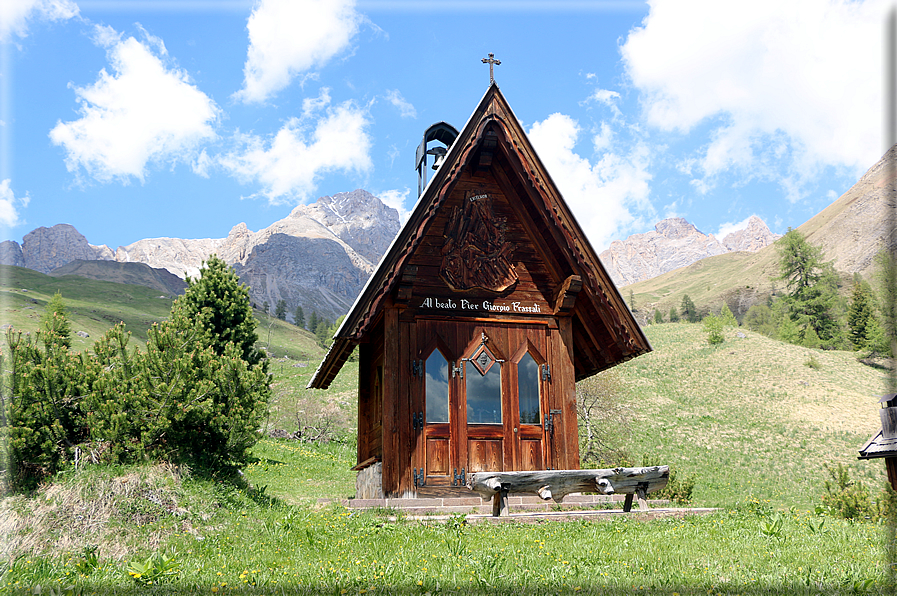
472,332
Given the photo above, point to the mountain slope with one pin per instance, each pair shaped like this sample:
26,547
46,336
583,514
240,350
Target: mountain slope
137,274
851,231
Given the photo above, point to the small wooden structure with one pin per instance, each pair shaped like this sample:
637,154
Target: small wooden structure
884,444
487,308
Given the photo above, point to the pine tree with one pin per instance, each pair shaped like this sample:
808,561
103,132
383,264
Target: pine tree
313,322
674,315
55,323
220,303
728,319
812,289
280,311
658,316
322,331
689,311
713,326
299,317
858,315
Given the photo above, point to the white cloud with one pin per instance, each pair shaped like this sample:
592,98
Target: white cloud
9,205
729,227
15,15
405,108
796,85
288,165
396,199
606,197
143,112
288,38
603,138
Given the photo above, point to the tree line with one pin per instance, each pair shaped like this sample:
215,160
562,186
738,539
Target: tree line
812,312
322,327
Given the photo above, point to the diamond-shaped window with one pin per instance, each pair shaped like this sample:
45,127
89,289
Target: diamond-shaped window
483,359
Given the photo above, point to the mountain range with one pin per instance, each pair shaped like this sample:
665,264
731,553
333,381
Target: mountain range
320,256
676,243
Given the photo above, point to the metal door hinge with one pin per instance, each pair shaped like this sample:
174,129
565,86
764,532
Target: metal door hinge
546,372
416,424
417,368
419,479
459,479
458,369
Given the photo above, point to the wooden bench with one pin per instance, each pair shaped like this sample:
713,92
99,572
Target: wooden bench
556,484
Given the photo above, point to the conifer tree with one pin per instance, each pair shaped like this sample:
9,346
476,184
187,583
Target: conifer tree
812,291
280,311
299,317
674,315
55,323
859,313
313,322
689,311
658,316
220,303
728,319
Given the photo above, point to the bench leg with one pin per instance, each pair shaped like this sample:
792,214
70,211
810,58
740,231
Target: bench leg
500,503
642,499
627,504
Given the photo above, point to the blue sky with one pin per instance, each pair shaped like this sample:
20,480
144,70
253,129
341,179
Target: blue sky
156,118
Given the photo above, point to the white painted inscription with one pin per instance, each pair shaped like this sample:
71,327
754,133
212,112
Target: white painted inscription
475,305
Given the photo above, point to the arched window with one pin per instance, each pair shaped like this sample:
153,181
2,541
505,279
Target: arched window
528,390
484,395
437,388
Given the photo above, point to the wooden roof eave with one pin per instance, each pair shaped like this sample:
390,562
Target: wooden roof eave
567,234
366,306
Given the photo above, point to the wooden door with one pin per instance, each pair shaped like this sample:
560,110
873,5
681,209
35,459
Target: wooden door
531,418
482,400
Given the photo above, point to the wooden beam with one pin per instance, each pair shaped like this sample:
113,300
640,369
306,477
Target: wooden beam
565,296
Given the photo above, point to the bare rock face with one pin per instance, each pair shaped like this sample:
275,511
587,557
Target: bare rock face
45,249
319,257
11,254
674,243
358,218
752,238
181,257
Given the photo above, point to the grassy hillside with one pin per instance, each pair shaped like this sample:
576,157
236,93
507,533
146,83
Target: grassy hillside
753,416
753,420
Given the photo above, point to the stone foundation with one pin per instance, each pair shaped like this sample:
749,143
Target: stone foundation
369,482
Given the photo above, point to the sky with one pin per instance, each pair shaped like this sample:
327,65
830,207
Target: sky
133,119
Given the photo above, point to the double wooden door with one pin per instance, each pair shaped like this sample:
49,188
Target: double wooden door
481,400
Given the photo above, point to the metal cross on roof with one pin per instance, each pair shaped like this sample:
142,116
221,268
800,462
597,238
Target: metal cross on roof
491,61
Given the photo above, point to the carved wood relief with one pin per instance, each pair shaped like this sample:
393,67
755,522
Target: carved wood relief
476,255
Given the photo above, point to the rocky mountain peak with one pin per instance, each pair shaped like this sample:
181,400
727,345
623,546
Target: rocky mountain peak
45,249
675,243
752,238
318,257
675,228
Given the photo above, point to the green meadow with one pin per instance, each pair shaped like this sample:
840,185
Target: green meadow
753,421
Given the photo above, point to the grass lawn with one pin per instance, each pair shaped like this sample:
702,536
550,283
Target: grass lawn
222,539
